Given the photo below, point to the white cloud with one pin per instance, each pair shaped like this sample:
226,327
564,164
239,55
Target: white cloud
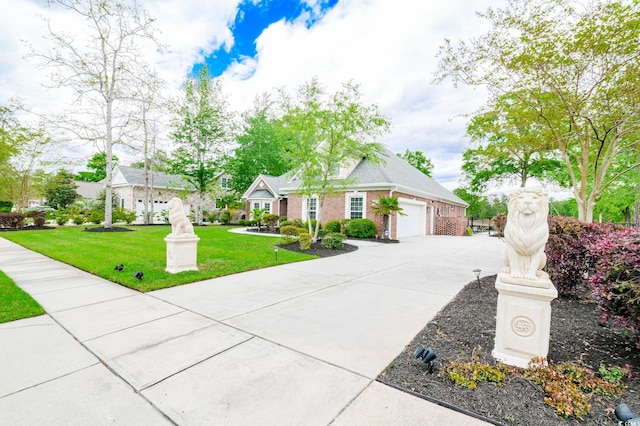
387,46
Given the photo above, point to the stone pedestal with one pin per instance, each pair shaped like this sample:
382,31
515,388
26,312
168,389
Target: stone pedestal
182,253
523,319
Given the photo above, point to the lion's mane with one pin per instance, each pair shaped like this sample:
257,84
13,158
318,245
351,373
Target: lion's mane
180,224
526,233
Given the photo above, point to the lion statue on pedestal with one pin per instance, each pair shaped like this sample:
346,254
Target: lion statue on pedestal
526,233
180,224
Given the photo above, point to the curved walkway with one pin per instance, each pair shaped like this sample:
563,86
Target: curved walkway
295,344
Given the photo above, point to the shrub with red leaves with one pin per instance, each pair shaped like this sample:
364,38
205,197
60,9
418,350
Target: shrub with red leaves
12,220
616,281
568,260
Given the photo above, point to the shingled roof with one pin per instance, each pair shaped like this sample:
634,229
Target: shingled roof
135,176
391,172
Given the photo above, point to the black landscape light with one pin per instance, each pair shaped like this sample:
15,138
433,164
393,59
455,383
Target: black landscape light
427,356
624,413
275,249
139,275
477,272
119,267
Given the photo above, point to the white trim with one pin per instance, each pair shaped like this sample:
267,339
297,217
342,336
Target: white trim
423,219
303,212
347,203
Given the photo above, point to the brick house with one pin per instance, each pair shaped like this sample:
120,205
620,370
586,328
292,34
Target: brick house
429,207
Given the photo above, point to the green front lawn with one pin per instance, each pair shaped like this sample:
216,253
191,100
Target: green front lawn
14,302
219,253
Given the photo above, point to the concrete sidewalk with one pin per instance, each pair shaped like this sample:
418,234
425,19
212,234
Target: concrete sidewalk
297,344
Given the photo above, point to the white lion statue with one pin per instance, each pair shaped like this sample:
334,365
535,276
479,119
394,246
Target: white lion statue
180,224
526,233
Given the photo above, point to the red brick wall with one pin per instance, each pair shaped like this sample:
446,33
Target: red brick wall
450,221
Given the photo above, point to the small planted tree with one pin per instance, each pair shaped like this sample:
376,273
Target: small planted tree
258,216
386,207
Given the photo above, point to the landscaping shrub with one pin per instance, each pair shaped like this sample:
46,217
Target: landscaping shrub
499,221
332,226
568,260
304,238
123,215
313,225
289,233
616,281
39,218
96,216
62,217
333,240
271,220
298,223
12,220
78,219
345,226
6,206
362,228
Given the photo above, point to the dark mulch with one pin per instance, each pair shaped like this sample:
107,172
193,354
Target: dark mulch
318,250
467,325
27,228
103,229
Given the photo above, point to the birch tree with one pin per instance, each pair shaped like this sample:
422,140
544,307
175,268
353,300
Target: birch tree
330,132
99,63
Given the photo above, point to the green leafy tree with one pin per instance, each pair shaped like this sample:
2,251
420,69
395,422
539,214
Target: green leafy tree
258,216
98,166
574,68
386,207
511,147
60,190
25,150
330,133
418,160
261,147
202,131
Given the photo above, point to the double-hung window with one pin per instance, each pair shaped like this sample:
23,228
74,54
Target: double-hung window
356,208
312,207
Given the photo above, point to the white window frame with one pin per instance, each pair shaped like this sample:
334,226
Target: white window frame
305,206
347,204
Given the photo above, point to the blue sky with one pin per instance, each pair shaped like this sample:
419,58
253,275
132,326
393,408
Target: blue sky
251,20
388,47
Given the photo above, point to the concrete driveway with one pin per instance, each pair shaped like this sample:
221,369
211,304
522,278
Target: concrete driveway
294,344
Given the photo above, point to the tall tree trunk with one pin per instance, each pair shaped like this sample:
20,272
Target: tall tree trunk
108,202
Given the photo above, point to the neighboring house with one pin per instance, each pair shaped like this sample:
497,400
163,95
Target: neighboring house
429,207
128,184
89,190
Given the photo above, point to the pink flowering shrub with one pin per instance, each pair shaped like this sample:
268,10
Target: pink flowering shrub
616,281
568,261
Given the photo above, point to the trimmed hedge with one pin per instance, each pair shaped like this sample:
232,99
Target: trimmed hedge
333,240
12,220
362,228
332,226
39,218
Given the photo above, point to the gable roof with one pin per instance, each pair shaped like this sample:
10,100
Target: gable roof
392,172
272,183
135,176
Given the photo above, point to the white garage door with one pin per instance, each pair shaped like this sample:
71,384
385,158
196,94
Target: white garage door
415,220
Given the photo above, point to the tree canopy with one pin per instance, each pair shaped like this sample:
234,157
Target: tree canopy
261,146
330,132
574,68
60,190
418,160
202,132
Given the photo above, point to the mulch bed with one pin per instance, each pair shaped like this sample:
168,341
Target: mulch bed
103,229
318,250
466,326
